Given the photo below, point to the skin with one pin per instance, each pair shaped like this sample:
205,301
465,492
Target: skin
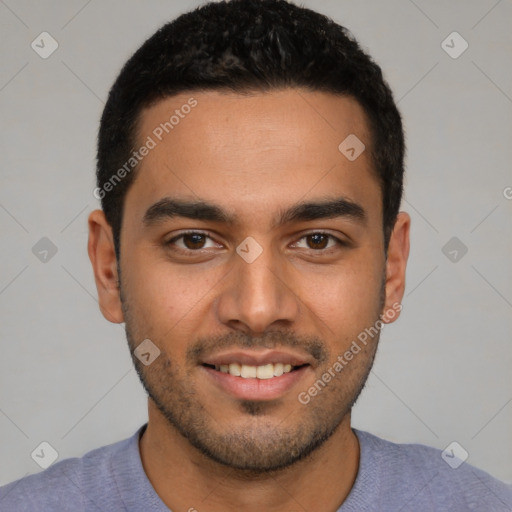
253,156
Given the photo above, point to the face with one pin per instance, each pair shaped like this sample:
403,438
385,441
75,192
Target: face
252,257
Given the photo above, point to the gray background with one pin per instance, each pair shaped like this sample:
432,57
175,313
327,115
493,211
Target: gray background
443,370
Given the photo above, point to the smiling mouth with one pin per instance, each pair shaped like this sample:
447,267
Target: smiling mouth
266,371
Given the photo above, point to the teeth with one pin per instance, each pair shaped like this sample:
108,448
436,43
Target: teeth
266,371
278,369
248,372
234,369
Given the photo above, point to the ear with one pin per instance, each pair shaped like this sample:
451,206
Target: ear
396,263
104,263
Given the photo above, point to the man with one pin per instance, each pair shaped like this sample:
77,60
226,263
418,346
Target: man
250,168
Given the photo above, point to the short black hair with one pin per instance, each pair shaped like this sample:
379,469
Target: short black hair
245,46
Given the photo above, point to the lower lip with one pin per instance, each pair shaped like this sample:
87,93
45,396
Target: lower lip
256,389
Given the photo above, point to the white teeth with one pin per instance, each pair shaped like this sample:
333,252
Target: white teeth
278,369
248,372
234,369
266,371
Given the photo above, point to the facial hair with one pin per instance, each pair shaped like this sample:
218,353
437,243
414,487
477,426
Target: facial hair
262,445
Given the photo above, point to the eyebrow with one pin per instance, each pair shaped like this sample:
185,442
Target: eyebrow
168,208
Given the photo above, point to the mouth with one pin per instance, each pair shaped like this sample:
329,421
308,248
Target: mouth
262,372
261,375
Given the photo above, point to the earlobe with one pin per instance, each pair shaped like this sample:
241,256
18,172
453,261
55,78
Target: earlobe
104,262
398,252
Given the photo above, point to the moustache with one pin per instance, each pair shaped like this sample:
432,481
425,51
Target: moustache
205,346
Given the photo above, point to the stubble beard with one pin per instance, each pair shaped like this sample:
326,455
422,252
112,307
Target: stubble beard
263,445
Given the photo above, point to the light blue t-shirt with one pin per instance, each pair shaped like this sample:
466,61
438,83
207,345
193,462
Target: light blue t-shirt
391,478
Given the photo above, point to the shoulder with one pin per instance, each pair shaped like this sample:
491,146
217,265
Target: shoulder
71,484
429,479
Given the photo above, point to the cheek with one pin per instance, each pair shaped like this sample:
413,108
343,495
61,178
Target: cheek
165,294
168,298
347,299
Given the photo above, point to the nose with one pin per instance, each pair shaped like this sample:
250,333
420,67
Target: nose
258,296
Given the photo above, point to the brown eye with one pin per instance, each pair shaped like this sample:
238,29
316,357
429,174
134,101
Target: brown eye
317,241
194,240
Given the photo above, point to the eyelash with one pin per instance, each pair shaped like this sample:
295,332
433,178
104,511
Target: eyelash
338,242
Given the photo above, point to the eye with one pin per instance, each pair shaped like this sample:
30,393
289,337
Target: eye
192,241
195,241
319,241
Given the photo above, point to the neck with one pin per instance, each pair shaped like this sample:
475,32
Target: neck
185,479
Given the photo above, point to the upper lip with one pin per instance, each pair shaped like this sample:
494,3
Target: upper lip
258,358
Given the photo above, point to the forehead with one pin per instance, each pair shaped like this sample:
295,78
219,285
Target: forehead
233,149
